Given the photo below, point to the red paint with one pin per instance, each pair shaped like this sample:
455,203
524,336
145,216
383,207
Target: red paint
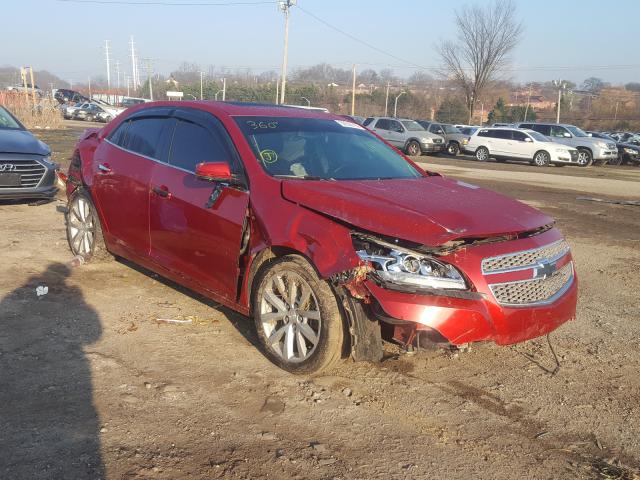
161,218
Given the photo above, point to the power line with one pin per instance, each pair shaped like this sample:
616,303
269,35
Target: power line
174,4
359,40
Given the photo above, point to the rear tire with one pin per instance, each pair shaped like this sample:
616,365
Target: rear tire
482,154
541,159
297,317
584,158
84,231
413,149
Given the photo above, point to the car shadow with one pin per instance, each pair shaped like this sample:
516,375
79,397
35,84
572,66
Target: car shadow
242,324
49,427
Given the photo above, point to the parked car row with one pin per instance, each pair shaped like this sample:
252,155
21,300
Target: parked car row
91,111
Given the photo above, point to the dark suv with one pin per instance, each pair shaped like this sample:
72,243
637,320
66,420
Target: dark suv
26,170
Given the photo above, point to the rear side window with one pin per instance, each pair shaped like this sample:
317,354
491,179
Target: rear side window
119,135
503,134
383,124
193,144
143,136
543,129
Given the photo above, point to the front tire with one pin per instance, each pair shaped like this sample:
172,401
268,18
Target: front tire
584,158
482,154
84,231
413,149
297,317
541,159
453,149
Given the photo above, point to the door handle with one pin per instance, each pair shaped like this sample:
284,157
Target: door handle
104,168
161,191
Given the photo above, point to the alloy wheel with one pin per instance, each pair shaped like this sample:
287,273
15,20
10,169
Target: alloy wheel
290,317
541,159
81,226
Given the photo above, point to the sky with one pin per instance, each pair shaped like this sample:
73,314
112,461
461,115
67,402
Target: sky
570,39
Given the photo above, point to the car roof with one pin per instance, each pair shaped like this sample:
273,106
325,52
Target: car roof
237,108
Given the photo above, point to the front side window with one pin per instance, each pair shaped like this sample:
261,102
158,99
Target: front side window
519,136
484,133
322,149
539,137
450,129
577,132
367,121
558,132
193,144
395,126
143,136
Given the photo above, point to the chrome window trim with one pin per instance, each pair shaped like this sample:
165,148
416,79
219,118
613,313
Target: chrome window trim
555,258
547,301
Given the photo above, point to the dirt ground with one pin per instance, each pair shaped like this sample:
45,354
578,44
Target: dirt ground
93,386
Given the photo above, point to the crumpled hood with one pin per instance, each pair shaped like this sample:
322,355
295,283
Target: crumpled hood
429,211
21,141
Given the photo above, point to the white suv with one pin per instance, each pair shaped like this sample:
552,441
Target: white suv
518,144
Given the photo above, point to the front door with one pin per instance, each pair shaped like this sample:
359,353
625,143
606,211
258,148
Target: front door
122,169
192,233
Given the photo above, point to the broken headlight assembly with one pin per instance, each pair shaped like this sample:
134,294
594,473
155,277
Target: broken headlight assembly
404,267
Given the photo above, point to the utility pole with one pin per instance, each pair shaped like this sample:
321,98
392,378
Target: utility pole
201,79
89,87
353,92
526,110
118,74
386,100
134,66
33,88
395,106
615,116
277,88
149,67
106,53
285,5
23,77
561,86
481,113
224,89
126,80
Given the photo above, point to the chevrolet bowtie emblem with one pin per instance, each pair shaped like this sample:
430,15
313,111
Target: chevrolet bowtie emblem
544,270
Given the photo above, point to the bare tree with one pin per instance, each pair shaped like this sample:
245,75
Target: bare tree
486,35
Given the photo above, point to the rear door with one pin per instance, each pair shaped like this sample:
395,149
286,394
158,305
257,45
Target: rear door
122,168
196,226
501,143
383,128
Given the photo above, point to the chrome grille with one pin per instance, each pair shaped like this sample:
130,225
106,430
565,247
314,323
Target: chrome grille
437,140
30,171
534,292
574,155
611,146
525,258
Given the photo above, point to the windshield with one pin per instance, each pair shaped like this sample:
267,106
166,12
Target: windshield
7,121
538,136
576,132
412,126
321,149
450,129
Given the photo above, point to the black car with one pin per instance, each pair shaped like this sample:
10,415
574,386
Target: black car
64,95
628,151
26,169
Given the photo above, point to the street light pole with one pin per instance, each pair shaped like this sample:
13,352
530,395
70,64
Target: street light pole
561,86
395,106
386,100
201,77
216,97
285,5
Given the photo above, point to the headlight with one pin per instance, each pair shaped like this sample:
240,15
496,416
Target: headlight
47,159
562,150
414,269
426,140
631,151
601,144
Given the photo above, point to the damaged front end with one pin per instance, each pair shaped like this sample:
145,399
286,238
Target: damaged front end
442,295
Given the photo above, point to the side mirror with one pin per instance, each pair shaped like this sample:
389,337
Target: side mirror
566,135
214,172
527,139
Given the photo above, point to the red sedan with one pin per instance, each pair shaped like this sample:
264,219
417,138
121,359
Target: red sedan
327,236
